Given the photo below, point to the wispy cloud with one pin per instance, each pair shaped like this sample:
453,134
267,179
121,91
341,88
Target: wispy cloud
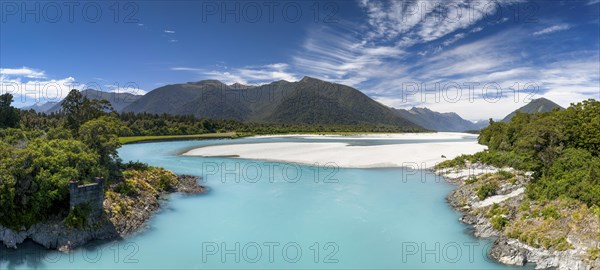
244,75
393,29
453,39
592,2
476,29
552,29
169,31
185,69
414,22
343,57
502,79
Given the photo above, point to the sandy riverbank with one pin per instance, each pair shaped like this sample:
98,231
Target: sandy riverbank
423,155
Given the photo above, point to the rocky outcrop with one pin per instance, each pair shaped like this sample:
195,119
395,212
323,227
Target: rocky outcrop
55,234
508,251
505,249
513,252
189,184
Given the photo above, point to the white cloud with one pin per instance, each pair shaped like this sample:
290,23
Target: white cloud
453,39
393,27
414,22
245,75
22,72
169,31
476,29
185,69
592,2
131,89
30,86
552,29
343,57
489,63
31,91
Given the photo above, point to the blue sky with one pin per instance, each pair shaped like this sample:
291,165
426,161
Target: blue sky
480,59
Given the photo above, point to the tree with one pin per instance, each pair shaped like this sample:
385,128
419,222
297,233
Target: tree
34,179
101,135
78,109
9,116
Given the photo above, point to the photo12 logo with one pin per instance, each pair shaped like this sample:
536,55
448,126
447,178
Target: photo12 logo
270,252
68,11
269,11
453,92
271,172
451,252
116,253
54,91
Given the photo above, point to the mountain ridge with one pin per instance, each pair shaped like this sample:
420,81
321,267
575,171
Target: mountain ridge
449,121
535,106
308,101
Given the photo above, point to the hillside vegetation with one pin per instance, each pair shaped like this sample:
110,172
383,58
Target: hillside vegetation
306,102
557,160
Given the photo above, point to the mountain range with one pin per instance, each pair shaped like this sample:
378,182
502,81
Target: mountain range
440,121
308,101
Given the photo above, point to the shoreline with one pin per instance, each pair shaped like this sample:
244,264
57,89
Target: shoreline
505,250
169,138
371,135
55,234
423,155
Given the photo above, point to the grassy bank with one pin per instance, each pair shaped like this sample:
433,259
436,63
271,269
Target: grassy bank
139,139
233,135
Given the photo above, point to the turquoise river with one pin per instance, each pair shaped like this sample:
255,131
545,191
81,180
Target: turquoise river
260,214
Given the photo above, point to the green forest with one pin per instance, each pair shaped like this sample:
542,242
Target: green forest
42,154
561,147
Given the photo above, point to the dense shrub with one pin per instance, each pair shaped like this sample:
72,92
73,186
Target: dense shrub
562,148
486,190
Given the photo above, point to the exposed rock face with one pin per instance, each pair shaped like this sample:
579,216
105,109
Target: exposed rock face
55,234
512,251
508,250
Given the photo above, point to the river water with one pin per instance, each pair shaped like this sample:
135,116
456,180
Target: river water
261,214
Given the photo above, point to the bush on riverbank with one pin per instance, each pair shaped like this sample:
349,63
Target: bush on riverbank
562,148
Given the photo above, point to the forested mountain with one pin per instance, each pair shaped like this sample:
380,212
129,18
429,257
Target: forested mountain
439,121
535,106
308,101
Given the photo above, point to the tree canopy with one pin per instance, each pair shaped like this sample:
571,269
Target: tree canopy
9,116
561,147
